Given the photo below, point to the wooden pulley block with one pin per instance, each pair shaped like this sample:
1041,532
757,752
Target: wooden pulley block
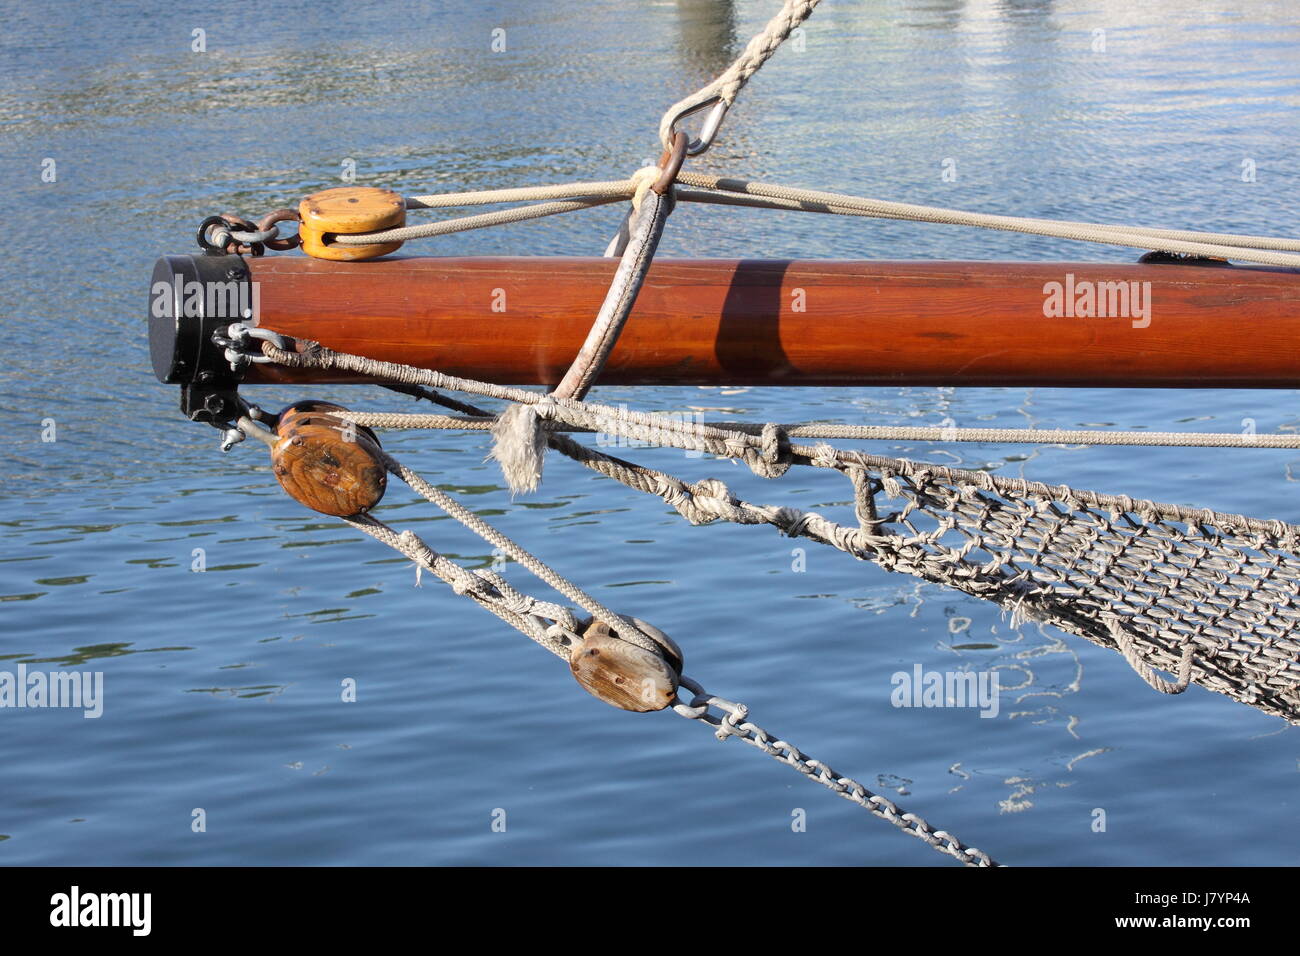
313,412
348,210
326,463
625,675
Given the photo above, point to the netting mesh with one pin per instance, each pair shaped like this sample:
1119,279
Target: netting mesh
1155,582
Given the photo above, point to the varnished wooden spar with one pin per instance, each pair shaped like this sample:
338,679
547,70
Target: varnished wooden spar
804,322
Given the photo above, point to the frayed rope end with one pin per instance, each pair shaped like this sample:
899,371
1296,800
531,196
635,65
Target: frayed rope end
519,446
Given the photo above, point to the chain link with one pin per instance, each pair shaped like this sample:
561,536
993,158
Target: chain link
733,722
235,235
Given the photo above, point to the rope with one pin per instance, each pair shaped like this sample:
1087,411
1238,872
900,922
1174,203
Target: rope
482,221
720,190
741,192
1001,436
613,189
529,616
489,590
725,88
617,306
1124,641
538,567
1211,245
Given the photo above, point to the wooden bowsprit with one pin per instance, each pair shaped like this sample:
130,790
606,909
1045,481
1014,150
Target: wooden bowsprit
747,322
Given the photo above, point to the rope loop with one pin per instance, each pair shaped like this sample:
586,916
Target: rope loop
1124,641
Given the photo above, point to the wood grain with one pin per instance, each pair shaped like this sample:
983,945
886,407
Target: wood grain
349,209
708,322
621,674
326,463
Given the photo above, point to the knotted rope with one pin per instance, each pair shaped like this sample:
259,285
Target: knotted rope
518,440
555,628
1211,597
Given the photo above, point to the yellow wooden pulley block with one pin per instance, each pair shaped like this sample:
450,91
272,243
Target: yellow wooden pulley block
348,210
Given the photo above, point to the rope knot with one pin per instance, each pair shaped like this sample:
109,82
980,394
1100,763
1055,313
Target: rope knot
548,408
642,180
824,455
773,459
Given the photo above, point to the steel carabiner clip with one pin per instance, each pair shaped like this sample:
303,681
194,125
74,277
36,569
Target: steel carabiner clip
717,107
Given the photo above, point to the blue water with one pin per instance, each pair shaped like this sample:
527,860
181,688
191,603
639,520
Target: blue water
223,687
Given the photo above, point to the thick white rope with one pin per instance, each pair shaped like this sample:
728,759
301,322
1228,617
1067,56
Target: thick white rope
722,190
612,189
729,83
740,192
1212,245
499,218
999,436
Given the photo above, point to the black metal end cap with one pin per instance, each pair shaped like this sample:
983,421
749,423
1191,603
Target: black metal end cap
190,297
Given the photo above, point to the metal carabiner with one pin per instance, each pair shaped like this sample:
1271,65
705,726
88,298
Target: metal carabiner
718,111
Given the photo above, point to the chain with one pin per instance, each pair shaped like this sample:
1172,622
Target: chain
733,723
553,626
235,235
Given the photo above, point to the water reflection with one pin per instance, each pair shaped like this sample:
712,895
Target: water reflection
79,656
707,41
